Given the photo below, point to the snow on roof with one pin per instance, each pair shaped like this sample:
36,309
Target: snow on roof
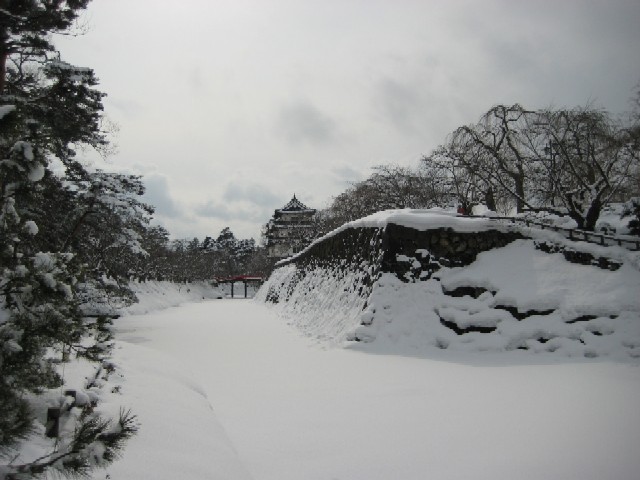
295,205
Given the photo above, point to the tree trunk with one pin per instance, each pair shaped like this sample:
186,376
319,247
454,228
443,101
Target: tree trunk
580,221
3,69
5,48
519,185
592,215
490,200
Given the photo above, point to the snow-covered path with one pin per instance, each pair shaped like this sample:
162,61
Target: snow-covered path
293,409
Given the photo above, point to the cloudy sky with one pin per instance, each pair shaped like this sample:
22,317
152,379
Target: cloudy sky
229,107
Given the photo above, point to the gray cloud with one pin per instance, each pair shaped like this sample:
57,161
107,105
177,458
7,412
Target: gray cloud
346,174
400,102
302,122
213,209
364,83
253,193
126,106
226,212
196,80
157,194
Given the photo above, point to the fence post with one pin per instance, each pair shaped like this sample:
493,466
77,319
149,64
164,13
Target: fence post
52,427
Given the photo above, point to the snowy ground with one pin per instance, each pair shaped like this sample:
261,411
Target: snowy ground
225,389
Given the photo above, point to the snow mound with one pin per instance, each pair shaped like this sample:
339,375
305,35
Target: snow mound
158,295
511,298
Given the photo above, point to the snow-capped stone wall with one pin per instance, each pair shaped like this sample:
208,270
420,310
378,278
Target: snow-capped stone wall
326,287
412,253
458,285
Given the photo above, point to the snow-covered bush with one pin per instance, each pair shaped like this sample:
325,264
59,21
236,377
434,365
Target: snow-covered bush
632,210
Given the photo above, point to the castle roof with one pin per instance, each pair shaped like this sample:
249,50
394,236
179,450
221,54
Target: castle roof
295,205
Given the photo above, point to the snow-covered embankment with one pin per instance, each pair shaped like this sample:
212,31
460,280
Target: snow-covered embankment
418,281
158,295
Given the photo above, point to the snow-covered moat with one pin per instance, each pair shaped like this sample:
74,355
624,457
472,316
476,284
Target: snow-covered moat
225,389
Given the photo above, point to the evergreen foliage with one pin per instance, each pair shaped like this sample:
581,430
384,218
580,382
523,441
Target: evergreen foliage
632,209
188,260
66,240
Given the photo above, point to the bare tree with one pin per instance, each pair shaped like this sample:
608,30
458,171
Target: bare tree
388,187
587,159
492,151
458,183
568,162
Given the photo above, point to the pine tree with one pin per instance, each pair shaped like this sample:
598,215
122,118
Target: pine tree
47,107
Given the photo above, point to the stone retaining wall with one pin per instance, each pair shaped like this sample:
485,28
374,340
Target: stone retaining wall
429,250
408,253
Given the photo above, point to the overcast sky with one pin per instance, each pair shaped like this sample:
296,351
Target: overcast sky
229,107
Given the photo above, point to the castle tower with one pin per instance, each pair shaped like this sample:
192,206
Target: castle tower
290,229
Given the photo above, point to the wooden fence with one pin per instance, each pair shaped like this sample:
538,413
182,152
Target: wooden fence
573,233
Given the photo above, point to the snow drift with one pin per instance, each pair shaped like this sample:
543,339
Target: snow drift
157,295
423,280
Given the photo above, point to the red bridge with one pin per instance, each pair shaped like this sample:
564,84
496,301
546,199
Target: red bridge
245,279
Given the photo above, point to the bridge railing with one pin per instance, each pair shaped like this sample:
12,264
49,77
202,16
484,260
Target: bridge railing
244,279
